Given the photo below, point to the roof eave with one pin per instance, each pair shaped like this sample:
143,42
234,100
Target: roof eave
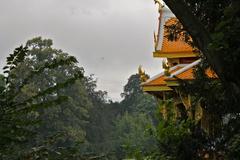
162,88
160,54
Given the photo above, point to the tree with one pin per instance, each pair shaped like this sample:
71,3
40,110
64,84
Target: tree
214,28
134,98
137,115
16,114
102,116
133,136
68,118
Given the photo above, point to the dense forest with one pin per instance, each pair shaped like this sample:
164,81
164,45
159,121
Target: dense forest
51,110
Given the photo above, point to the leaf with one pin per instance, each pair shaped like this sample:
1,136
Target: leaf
6,71
5,67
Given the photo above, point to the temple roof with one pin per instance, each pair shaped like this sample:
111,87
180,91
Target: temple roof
181,71
165,48
174,46
187,72
158,83
171,49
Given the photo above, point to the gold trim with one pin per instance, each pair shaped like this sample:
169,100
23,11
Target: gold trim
172,83
156,88
174,55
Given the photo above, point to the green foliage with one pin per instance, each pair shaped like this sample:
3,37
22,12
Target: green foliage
106,134
99,130
133,135
50,111
71,116
34,91
14,59
135,101
234,148
172,137
2,83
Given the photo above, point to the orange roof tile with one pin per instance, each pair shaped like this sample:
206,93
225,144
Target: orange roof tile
178,46
185,72
160,80
189,74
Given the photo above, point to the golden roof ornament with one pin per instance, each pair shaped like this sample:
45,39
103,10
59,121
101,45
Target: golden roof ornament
143,76
166,67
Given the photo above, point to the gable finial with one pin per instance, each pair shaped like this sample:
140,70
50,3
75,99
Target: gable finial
143,76
160,5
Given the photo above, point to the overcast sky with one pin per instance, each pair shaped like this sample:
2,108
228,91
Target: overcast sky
110,38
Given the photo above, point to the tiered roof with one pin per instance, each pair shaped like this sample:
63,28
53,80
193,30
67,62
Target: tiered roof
158,82
161,82
178,49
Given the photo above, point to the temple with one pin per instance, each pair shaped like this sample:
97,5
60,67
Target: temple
178,60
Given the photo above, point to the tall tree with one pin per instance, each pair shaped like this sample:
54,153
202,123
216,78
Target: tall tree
134,98
18,113
132,139
101,126
214,28
70,117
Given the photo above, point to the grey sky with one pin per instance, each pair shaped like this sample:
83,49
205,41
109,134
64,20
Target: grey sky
110,38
